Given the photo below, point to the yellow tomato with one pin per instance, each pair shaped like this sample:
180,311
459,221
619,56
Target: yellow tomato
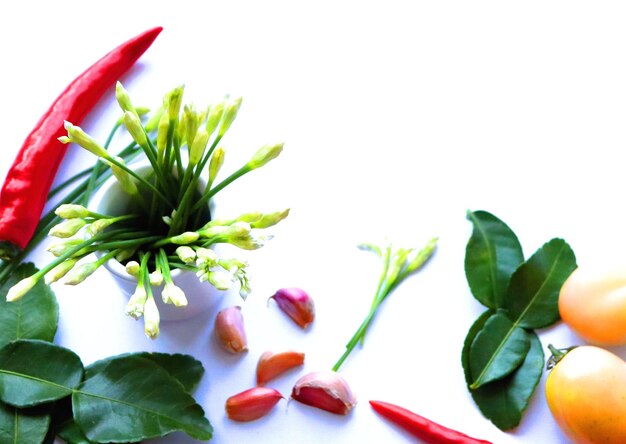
593,304
586,393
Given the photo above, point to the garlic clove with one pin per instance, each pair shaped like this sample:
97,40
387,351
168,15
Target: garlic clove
325,390
229,330
297,304
272,364
252,404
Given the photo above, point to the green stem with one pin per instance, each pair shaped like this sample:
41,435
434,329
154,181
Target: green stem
355,339
141,180
209,193
70,252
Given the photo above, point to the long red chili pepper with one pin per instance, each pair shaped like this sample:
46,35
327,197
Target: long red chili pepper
425,429
28,181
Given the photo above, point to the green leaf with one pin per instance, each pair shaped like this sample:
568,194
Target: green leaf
505,400
23,426
71,433
476,327
532,297
497,350
131,399
184,368
33,372
34,316
492,254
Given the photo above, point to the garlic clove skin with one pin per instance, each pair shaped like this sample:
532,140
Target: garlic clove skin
325,390
273,364
297,304
252,404
229,330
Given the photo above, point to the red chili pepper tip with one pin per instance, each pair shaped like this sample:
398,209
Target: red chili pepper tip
428,431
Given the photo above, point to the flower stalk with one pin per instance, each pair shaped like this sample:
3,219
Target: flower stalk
397,266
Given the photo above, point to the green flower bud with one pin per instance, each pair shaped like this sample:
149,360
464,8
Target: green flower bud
186,254
230,112
76,135
193,123
214,117
174,101
264,155
59,271
185,238
78,274
133,125
67,228
21,288
196,151
422,256
154,120
126,181
59,248
164,124
71,211
249,242
125,254
217,160
99,225
270,219
123,99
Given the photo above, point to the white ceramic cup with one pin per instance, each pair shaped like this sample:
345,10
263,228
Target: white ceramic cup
111,200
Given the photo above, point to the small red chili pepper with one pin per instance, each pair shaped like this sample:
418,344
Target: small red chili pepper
428,431
29,179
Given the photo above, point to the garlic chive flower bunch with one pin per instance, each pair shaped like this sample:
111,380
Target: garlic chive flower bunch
168,225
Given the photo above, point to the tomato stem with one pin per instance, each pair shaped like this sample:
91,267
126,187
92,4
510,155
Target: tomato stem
557,355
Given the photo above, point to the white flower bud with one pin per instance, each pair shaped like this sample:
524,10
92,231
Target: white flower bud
21,288
175,295
135,306
186,254
219,279
156,278
151,318
133,268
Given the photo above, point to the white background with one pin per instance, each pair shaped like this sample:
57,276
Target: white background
397,117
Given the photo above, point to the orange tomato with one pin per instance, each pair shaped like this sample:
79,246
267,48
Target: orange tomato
593,304
586,393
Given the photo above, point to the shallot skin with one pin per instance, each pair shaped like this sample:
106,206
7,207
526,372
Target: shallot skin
229,330
325,390
297,304
252,404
